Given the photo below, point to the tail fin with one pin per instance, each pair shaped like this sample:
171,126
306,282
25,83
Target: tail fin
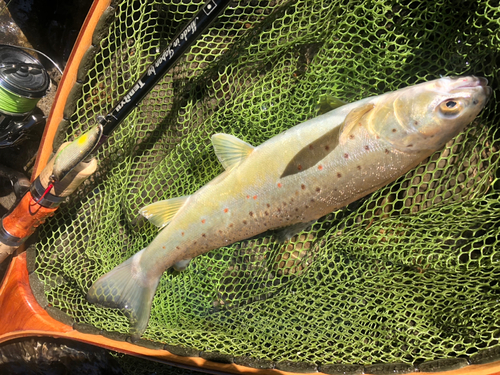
126,289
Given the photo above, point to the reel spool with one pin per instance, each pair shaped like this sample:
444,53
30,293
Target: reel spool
23,82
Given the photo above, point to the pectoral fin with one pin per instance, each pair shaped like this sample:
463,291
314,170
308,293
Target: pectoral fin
311,154
160,213
230,150
327,103
352,119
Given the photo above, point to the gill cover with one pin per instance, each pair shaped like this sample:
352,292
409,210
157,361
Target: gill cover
425,116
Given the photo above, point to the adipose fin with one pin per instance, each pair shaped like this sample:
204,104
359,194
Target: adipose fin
286,233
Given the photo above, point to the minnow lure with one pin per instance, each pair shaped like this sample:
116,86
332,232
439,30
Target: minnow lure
72,155
293,178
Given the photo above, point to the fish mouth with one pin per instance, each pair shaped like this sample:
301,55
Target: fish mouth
473,82
477,86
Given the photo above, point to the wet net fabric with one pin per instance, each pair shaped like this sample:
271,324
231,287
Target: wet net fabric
407,274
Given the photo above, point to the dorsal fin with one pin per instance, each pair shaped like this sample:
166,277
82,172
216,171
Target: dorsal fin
230,150
160,213
352,119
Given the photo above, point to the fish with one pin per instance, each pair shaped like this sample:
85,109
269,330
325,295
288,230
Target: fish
292,179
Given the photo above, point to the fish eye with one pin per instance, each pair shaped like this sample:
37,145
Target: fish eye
450,107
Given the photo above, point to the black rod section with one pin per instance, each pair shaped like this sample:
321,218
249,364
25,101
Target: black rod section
161,65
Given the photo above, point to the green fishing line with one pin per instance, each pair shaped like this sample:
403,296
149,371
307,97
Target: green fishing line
12,103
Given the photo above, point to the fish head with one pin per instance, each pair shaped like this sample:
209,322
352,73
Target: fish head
427,115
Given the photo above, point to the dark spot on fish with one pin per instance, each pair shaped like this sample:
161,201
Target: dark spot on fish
296,209
394,130
279,209
327,148
359,167
203,235
266,213
268,205
410,145
346,155
311,147
318,189
351,136
312,199
299,167
244,222
367,147
339,175
284,203
182,234
307,206
303,186
230,225
250,213
291,199
386,151
195,242
220,232
415,122
177,247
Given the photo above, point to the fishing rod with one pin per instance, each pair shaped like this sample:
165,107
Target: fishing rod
73,162
155,72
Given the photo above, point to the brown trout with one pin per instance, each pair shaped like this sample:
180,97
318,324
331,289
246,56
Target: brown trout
295,177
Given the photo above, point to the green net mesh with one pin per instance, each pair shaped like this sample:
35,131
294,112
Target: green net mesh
408,274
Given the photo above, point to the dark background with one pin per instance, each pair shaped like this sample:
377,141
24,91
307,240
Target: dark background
50,26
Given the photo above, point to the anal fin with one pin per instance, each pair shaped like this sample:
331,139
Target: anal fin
160,213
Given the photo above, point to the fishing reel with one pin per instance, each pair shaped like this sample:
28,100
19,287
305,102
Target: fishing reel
23,82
